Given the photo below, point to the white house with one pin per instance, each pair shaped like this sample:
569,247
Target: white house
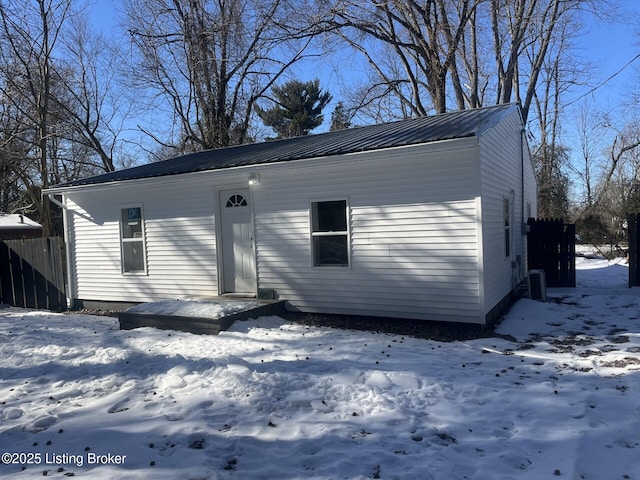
420,219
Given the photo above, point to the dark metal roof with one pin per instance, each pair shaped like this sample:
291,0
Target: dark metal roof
446,126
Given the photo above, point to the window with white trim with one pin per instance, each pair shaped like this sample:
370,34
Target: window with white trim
330,233
506,213
132,240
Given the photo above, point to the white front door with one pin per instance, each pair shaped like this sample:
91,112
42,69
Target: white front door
238,260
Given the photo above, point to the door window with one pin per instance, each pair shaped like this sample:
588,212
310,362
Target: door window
236,200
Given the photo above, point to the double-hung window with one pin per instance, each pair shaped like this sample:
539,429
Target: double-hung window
132,240
330,233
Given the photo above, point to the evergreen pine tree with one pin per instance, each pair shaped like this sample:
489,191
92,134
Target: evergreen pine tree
339,118
297,110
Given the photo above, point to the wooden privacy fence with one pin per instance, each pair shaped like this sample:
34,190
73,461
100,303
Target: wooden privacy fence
634,249
551,246
31,273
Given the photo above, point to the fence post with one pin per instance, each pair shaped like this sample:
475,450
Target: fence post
633,221
6,281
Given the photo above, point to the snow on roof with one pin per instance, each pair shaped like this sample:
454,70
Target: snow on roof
15,220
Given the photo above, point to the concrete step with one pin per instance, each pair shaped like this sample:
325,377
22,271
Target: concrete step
198,324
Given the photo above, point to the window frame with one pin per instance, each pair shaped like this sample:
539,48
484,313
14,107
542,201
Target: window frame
313,235
131,240
506,222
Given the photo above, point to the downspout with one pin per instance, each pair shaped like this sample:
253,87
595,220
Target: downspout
523,224
522,134
67,245
57,202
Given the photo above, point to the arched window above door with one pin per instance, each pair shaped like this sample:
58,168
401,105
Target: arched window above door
236,200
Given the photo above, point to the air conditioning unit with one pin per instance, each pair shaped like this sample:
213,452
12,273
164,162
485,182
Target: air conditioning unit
537,285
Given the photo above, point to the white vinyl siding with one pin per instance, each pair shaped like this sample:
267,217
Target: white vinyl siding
426,231
179,239
502,176
413,234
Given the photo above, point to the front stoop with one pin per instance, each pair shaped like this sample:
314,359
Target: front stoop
198,325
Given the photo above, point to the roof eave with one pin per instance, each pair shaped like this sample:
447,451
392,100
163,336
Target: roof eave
66,188
82,184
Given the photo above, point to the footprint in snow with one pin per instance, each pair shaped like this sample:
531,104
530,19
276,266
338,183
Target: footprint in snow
12,413
42,423
120,406
627,443
197,444
174,416
506,431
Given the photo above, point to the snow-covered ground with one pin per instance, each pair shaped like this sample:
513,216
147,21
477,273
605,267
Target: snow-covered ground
558,396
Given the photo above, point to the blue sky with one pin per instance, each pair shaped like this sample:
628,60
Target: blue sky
609,47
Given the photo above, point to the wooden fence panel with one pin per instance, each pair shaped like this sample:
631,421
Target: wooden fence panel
551,246
31,273
6,282
634,250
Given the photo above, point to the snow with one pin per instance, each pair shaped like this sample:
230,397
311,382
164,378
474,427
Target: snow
189,307
554,395
15,220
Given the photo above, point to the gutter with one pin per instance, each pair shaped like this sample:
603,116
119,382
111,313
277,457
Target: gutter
54,200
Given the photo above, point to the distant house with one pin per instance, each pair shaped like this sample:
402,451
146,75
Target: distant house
15,226
419,219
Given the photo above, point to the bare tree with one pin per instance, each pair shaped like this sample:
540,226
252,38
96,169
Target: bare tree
208,61
557,72
615,190
29,32
423,39
588,169
15,147
527,35
444,54
474,61
89,102
550,162
614,184
623,151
